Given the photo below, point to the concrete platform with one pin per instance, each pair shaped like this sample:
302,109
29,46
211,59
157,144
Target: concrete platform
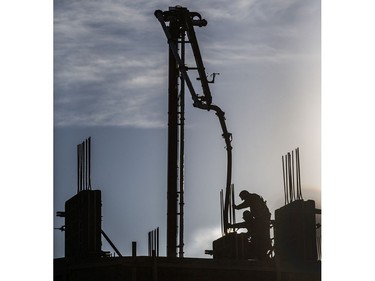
184,269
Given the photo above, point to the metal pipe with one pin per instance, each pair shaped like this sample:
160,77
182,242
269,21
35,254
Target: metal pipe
154,240
230,206
293,188
199,62
80,167
290,178
77,168
182,150
89,162
174,50
172,145
285,195
199,102
228,138
287,178
110,243
157,241
233,205
84,166
134,249
299,176
221,212
149,244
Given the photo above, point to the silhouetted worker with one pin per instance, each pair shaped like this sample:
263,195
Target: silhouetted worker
248,223
257,205
257,223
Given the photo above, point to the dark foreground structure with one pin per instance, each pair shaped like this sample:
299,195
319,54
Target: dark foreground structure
290,255
182,269
294,258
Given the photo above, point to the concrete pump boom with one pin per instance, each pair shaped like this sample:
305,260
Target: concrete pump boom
186,21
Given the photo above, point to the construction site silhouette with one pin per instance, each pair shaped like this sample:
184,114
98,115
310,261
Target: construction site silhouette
255,248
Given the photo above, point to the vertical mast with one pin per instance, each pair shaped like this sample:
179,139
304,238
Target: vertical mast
172,145
182,150
182,21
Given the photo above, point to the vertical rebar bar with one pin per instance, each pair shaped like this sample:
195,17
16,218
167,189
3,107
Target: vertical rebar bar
287,176
157,241
149,244
221,212
290,177
77,168
80,167
233,205
230,205
293,181
299,176
84,165
154,242
89,162
285,195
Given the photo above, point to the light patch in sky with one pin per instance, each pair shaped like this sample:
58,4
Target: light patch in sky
201,240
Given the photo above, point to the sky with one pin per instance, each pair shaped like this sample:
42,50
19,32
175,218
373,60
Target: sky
110,83
27,210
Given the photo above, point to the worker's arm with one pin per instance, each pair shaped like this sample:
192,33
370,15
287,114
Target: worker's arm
238,225
241,206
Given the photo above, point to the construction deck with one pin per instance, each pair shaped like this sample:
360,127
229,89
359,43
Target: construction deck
182,269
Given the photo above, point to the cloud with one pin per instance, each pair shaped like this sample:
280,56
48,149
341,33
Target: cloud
202,240
264,32
110,64
105,69
110,69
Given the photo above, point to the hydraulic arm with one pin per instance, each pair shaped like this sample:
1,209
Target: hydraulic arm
186,20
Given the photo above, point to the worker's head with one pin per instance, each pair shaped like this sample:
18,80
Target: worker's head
246,215
243,194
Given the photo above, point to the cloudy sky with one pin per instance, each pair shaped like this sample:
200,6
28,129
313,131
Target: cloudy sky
347,134
110,83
